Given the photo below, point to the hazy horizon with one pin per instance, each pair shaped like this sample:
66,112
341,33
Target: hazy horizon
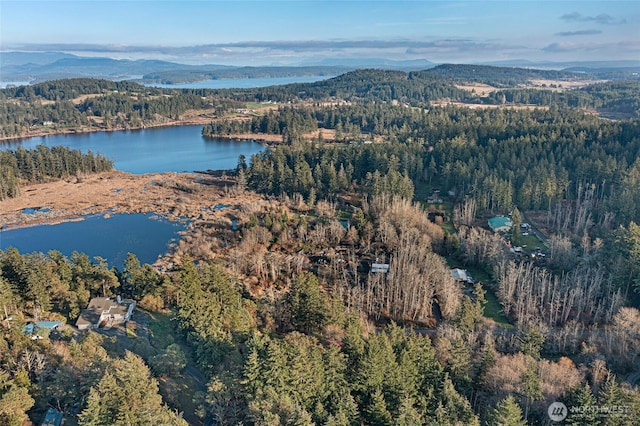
294,32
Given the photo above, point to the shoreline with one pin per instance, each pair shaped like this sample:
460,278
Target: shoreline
42,133
114,192
263,139
193,119
188,198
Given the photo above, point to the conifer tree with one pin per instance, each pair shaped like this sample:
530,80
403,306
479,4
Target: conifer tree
612,395
531,387
127,395
306,304
376,412
15,401
585,401
506,413
407,414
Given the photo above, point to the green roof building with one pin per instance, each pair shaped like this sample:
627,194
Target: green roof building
500,224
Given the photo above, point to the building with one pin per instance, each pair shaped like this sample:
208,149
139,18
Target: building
41,328
52,417
382,268
105,312
500,224
461,275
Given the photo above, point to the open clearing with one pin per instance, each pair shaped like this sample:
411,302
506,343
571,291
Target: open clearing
559,85
477,88
443,102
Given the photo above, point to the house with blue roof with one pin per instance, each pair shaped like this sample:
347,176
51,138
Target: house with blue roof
41,328
52,417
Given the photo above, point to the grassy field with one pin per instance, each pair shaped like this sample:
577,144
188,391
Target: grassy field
529,242
258,105
493,309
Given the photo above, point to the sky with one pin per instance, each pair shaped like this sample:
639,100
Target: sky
273,32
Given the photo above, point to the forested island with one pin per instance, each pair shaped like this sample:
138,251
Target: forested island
355,277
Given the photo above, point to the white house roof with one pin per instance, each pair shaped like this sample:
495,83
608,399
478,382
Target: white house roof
459,274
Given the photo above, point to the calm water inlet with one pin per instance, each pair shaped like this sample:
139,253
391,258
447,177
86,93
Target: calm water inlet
242,83
156,150
147,236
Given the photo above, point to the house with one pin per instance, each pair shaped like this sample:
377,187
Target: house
105,311
461,275
500,224
382,268
41,328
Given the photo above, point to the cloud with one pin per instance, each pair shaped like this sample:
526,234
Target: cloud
603,18
608,48
291,52
578,33
268,52
459,45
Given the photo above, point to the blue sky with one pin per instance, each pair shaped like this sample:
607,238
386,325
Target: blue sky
284,32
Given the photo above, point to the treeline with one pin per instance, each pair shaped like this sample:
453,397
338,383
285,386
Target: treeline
67,89
43,163
533,159
136,109
18,118
287,120
118,105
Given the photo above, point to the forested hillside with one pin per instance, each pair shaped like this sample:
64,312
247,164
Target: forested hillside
420,88
86,104
502,76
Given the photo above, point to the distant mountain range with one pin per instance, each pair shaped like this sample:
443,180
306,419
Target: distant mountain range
36,67
43,66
